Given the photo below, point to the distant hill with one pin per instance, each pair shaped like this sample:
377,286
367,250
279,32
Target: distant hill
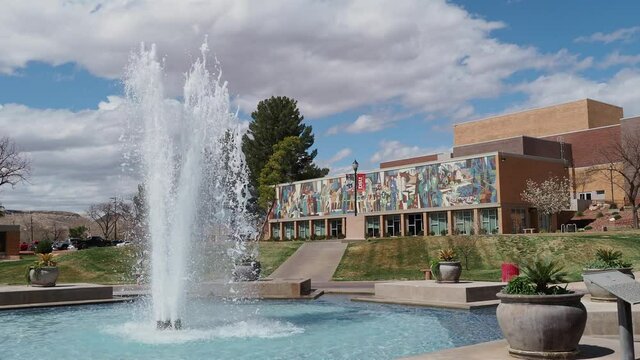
53,225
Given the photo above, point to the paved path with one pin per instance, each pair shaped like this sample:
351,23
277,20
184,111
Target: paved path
316,260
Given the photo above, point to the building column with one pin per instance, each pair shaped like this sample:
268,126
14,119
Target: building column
450,222
295,230
281,237
326,228
344,226
402,225
269,231
382,226
476,221
425,223
311,229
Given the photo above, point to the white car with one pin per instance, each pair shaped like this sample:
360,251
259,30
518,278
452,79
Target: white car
124,243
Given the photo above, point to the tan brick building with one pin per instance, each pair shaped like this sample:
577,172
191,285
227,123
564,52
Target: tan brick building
9,241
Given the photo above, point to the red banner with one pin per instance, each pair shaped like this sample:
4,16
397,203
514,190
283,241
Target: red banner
361,182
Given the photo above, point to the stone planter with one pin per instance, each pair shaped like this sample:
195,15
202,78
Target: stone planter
542,326
44,276
449,271
598,293
247,272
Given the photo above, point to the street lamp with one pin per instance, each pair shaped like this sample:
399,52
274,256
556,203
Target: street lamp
355,188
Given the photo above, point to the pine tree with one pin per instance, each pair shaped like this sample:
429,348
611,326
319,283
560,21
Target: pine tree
274,120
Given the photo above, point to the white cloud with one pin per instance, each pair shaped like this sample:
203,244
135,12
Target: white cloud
616,58
76,156
363,124
343,153
428,56
621,89
394,150
624,34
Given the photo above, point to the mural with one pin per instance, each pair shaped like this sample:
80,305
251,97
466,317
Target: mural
454,183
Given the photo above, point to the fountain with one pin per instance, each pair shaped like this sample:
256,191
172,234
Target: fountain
194,176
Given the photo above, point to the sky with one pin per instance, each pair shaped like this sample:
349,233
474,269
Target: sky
377,80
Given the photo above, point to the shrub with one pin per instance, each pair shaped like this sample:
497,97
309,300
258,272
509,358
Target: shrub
536,279
608,259
432,233
443,232
599,214
579,213
617,217
44,247
588,227
613,206
447,255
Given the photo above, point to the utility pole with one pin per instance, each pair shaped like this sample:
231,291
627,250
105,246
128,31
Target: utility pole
115,213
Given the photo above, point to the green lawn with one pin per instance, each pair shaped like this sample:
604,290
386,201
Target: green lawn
274,253
402,258
114,265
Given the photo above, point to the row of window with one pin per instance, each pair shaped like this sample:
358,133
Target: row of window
438,223
304,232
463,223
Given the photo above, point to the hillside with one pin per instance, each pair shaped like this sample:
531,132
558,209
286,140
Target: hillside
402,258
46,223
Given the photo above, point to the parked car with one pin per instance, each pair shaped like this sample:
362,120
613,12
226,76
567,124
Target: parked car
63,245
123,243
94,241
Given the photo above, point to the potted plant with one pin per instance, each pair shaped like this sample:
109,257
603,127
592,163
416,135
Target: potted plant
247,269
43,272
448,268
539,320
605,260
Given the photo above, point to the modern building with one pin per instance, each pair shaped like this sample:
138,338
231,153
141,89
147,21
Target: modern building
475,189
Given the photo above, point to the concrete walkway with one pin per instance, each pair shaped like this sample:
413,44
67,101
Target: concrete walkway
315,260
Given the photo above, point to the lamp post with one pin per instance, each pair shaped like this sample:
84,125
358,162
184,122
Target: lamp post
355,187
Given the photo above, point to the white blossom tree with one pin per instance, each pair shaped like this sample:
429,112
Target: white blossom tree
550,196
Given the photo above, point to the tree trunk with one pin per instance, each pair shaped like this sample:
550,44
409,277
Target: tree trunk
635,215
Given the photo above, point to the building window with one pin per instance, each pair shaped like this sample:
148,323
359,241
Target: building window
289,231
318,228
463,222
544,222
303,230
392,223
489,221
275,231
3,242
438,223
584,196
414,225
373,226
335,226
518,220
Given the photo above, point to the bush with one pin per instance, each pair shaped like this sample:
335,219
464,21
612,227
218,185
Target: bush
588,227
44,247
613,206
599,214
443,232
432,233
579,213
617,217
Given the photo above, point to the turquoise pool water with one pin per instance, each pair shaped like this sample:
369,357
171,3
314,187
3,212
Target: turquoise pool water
331,327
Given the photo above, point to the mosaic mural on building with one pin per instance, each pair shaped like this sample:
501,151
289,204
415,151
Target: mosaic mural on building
454,183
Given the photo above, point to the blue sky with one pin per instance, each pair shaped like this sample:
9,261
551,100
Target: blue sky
377,80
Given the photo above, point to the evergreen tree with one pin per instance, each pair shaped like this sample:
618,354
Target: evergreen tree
278,169
274,120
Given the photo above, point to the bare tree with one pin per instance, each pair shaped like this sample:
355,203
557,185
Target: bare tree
550,196
14,165
621,166
582,179
105,215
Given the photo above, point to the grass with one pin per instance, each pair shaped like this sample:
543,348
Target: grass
402,258
274,253
114,265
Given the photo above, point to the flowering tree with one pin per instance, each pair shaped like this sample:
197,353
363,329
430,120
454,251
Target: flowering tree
549,196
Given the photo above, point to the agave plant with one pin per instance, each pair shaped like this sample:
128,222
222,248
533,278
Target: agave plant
447,255
536,278
608,259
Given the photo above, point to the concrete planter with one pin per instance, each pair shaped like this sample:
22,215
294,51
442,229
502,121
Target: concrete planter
449,271
247,272
542,326
44,276
598,293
